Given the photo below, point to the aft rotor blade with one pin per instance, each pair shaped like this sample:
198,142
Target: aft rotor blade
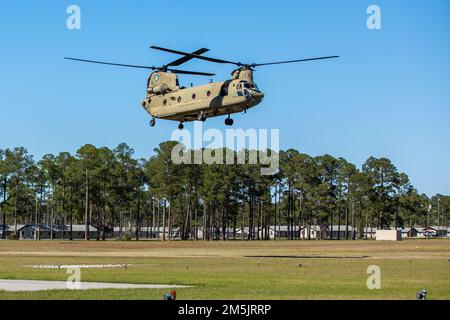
112,64
196,56
195,73
185,59
293,61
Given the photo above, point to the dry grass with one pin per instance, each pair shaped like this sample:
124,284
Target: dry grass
229,270
409,249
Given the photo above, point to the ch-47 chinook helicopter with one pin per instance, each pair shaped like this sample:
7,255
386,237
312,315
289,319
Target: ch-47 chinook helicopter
166,100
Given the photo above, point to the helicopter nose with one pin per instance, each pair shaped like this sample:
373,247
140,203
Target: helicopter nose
259,95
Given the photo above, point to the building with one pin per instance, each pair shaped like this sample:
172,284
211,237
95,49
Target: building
389,235
44,232
310,232
31,232
9,230
78,232
283,232
339,232
420,231
435,232
120,232
1,232
409,233
370,233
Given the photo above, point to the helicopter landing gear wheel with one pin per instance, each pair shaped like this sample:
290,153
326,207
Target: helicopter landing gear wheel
229,122
181,126
201,117
152,123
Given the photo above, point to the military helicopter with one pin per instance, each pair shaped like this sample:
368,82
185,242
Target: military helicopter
167,100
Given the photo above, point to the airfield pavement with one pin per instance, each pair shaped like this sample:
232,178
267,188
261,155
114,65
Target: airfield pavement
40,285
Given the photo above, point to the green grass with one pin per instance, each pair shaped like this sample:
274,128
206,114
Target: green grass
220,270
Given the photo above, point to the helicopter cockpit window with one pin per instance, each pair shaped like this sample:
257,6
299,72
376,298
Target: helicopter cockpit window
250,86
246,85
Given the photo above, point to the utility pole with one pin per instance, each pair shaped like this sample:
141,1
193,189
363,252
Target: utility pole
35,216
278,213
138,212
300,216
353,221
52,213
196,226
275,214
243,219
445,222
438,214
4,210
164,221
86,213
159,218
396,213
153,218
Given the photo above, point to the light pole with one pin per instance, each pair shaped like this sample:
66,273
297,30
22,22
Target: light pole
277,209
3,209
275,213
438,214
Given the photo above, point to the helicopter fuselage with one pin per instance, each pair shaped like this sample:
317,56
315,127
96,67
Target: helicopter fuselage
166,100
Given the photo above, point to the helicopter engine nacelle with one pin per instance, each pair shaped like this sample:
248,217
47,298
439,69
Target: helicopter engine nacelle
161,89
162,82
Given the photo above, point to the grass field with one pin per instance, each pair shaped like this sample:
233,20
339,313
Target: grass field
237,270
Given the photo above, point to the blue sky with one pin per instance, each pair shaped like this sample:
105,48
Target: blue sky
388,95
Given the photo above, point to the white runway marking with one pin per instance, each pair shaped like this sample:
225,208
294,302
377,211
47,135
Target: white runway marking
37,285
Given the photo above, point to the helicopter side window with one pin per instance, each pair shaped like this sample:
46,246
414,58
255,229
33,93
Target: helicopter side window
239,88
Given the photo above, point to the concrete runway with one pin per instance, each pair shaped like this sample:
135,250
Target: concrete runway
34,285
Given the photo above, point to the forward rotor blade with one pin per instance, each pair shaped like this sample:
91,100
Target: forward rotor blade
112,64
292,61
196,56
185,59
195,73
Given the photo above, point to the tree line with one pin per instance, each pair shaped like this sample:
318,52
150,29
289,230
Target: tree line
106,188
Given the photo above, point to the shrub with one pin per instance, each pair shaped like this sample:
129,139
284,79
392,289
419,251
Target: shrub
127,236
12,236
